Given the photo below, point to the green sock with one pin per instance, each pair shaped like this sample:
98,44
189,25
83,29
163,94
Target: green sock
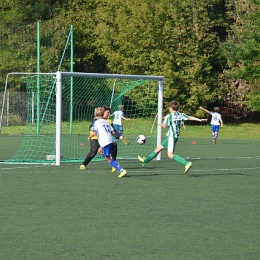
150,157
179,159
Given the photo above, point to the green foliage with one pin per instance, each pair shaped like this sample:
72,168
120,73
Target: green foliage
242,50
185,41
174,39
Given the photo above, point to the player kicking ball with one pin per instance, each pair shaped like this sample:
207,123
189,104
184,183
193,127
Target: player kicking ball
103,130
173,121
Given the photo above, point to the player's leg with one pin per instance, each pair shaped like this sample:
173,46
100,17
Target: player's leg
216,133
171,147
114,154
106,151
213,129
151,156
119,129
94,146
114,150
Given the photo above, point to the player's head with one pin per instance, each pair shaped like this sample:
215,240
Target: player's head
174,105
216,109
107,111
99,111
121,107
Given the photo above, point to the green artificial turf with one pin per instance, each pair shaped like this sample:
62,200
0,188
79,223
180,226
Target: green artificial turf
156,212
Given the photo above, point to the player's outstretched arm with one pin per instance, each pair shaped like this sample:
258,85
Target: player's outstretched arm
125,118
204,109
193,118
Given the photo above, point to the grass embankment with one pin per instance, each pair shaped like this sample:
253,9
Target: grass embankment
245,130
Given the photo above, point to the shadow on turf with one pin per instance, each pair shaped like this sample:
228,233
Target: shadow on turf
215,174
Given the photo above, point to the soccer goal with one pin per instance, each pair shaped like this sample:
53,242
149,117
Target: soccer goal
60,108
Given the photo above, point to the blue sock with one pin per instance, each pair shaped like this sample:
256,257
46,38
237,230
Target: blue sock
115,164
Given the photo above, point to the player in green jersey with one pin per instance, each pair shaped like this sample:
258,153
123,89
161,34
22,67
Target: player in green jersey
173,121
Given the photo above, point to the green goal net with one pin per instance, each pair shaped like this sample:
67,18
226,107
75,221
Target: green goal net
81,94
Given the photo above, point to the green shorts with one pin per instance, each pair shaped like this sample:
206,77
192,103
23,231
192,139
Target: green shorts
169,143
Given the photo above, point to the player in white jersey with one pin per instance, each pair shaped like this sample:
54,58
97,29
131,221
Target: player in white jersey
173,121
103,130
118,116
216,121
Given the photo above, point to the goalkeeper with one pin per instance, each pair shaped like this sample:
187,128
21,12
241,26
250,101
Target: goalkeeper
94,144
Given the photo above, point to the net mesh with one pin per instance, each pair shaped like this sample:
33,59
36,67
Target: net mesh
80,96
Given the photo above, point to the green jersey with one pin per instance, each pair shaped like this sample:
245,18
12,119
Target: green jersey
174,122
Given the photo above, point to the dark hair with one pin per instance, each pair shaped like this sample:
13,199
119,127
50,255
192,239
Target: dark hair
175,105
106,108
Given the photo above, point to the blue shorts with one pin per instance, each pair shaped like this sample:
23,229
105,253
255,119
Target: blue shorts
106,150
215,128
118,128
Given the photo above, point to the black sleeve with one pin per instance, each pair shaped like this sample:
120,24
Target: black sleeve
115,134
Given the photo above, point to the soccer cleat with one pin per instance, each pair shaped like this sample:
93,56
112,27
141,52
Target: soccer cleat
113,169
82,167
122,173
187,167
141,159
126,140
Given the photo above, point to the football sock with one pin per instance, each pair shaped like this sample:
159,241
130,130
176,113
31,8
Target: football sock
115,164
150,157
179,159
213,136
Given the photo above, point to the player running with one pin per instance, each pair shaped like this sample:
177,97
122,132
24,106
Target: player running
173,121
103,130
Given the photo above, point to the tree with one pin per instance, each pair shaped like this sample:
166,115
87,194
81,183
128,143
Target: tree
176,39
242,50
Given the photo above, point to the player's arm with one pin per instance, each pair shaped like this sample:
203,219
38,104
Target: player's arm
92,135
125,118
193,118
221,122
204,109
162,125
92,123
116,135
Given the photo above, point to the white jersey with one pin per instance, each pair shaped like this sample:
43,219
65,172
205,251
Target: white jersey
215,118
174,122
103,130
118,117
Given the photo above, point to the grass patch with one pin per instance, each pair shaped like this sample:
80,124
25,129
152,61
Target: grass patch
250,131
156,212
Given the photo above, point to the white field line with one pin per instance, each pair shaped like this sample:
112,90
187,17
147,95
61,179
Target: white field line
146,169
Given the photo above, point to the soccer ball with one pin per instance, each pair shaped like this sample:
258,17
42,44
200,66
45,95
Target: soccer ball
141,139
